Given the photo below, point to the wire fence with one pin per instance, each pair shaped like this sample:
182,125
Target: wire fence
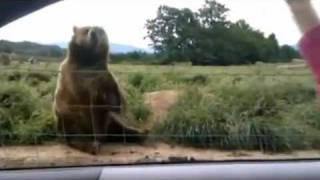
56,72
260,139
153,135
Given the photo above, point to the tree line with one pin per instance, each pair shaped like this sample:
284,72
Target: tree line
202,37
207,37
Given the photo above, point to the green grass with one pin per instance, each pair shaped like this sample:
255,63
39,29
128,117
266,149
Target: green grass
138,111
251,114
220,107
24,115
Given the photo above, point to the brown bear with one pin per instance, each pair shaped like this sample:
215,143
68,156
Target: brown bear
88,102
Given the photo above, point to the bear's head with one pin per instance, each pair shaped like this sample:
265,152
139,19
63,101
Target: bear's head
89,45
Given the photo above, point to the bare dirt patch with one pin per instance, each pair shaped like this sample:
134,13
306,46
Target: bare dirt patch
60,155
160,103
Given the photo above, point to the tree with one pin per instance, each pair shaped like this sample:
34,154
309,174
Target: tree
171,32
206,37
180,34
274,46
212,14
7,49
55,51
287,53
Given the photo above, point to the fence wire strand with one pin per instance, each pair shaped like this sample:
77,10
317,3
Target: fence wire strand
112,107
152,135
155,136
56,72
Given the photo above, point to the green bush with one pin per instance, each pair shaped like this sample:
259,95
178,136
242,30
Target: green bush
136,80
306,116
136,106
5,59
247,115
196,79
247,112
144,82
32,78
47,89
40,76
13,76
24,117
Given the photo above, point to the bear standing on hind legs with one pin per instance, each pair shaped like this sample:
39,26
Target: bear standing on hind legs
88,102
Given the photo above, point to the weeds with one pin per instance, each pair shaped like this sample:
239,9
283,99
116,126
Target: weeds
144,81
248,115
23,115
247,112
136,105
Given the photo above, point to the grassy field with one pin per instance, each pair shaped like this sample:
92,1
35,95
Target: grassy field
258,107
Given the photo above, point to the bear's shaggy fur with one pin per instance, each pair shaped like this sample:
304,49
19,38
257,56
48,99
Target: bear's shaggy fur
88,103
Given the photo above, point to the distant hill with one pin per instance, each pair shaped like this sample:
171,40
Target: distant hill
115,48
30,48
121,48
56,50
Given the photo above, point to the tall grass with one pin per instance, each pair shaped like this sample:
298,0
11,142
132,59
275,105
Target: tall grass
144,82
252,115
136,107
24,117
226,112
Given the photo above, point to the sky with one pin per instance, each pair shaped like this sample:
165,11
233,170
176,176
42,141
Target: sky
124,20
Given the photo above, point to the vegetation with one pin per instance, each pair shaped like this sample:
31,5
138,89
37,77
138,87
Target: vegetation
244,115
25,116
31,49
216,110
236,107
203,37
4,59
135,57
207,37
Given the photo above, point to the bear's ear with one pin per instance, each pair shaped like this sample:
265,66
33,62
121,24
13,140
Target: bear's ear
75,29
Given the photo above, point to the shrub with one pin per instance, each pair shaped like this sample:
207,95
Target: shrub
196,79
46,89
5,59
136,106
144,82
136,79
32,78
306,116
40,76
247,115
25,118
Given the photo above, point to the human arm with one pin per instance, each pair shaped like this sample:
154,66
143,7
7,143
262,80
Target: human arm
308,23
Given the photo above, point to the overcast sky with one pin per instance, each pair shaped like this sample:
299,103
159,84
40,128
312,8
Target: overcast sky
124,20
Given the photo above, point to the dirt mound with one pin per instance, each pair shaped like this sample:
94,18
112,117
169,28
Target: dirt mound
160,102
